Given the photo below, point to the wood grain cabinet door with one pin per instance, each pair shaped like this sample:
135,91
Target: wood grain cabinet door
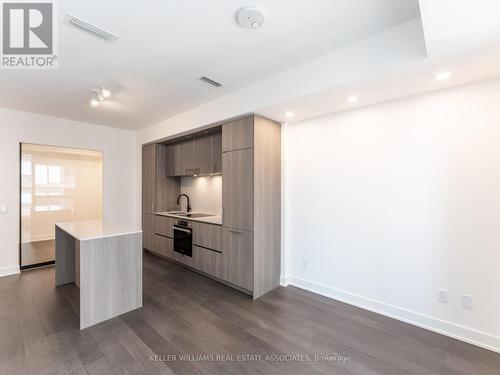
203,155
237,258
163,225
207,235
186,158
148,179
238,134
207,261
237,189
170,161
164,246
216,153
148,231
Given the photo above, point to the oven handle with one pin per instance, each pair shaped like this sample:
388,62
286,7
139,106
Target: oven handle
181,229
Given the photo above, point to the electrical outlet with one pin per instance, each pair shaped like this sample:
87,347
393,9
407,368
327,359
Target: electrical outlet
443,295
304,264
3,209
467,301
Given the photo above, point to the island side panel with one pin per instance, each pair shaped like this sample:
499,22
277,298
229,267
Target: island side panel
65,258
77,263
110,277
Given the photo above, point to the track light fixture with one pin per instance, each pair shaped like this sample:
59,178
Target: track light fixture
98,95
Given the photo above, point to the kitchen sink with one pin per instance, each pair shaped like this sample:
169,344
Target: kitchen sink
187,214
198,215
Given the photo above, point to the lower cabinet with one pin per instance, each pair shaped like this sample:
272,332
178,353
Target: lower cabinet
148,237
229,257
207,261
237,259
163,225
164,246
184,259
207,235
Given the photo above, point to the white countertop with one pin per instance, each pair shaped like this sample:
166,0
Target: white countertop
94,229
213,219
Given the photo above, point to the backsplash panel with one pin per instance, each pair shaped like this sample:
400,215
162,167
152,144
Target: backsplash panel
205,193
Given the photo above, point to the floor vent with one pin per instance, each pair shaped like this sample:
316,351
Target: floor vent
210,81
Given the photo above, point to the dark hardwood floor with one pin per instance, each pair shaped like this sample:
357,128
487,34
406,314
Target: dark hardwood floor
37,252
188,314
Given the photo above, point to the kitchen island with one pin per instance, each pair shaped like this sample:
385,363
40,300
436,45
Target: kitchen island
105,261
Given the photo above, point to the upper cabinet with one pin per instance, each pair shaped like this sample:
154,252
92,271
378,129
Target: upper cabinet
203,155
238,134
185,163
198,156
216,152
171,160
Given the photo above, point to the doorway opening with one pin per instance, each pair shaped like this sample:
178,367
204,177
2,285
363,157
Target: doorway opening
57,184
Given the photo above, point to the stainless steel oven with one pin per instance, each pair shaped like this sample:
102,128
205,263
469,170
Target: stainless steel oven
183,238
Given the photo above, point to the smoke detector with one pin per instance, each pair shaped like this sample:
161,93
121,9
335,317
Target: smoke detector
250,18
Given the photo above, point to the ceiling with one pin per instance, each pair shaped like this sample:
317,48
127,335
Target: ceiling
166,46
396,63
414,79
461,37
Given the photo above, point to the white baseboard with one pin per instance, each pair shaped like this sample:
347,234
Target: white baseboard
7,271
457,331
284,281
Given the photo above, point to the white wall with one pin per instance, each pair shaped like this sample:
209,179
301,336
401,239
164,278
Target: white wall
388,203
205,194
119,169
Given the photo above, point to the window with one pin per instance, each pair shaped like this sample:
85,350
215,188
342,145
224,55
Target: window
26,167
41,174
48,174
55,174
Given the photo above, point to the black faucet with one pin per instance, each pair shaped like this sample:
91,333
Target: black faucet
179,200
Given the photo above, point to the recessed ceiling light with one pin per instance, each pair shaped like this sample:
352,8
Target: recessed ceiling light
443,76
352,99
289,114
250,18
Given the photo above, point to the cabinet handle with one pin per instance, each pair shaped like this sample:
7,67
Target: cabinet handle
180,229
235,231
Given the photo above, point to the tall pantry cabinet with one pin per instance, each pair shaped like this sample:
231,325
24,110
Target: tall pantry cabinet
251,204
159,192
